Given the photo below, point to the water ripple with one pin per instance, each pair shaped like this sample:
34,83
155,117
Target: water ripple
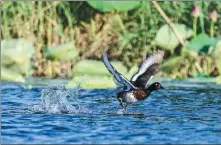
183,113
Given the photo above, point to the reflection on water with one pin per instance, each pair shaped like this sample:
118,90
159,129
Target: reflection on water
183,113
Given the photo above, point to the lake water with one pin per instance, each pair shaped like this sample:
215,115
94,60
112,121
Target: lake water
185,112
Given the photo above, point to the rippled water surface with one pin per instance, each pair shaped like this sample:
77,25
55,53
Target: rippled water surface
185,112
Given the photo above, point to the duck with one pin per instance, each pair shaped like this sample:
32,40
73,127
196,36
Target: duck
137,88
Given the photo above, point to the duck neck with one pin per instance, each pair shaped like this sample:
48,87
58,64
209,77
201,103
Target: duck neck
149,90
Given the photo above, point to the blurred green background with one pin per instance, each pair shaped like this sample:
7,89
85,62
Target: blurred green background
66,40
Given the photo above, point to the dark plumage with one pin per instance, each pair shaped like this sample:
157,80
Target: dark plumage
137,88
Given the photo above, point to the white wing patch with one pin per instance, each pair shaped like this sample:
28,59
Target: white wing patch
155,58
148,80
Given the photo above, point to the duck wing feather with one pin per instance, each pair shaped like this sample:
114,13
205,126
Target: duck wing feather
119,77
147,70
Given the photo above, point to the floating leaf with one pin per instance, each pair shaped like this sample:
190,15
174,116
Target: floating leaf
62,52
218,80
107,6
92,82
202,74
166,38
16,55
96,68
8,75
202,43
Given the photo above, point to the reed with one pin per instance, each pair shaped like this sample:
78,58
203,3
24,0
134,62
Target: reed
47,24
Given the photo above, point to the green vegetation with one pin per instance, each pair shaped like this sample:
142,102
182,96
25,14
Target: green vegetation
108,6
96,68
62,52
16,55
65,36
165,37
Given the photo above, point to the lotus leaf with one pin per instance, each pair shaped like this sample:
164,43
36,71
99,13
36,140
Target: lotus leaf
202,43
92,82
16,55
166,38
96,68
107,6
62,52
8,75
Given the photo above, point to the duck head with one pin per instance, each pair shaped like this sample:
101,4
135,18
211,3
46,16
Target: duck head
155,86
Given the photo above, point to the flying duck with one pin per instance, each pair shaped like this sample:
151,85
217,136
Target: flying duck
137,89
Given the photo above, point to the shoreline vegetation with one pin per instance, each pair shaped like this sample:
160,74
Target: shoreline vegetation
66,39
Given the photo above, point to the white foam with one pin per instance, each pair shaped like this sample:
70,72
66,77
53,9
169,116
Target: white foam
54,100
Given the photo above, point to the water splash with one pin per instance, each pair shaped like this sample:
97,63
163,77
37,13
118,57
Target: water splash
57,99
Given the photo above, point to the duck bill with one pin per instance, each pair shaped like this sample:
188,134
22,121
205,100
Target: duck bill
161,87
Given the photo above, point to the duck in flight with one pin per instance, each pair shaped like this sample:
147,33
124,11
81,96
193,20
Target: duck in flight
137,89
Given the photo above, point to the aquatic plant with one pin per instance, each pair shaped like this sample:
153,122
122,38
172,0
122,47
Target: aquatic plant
165,37
213,17
108,6
196,14
130,34
17,56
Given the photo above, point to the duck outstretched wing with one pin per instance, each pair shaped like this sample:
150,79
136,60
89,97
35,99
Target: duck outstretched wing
147,70
119,77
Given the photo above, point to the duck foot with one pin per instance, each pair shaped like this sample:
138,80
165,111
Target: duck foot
124,111
124,108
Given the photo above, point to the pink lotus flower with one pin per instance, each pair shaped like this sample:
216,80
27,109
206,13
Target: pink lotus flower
213,16
196,11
